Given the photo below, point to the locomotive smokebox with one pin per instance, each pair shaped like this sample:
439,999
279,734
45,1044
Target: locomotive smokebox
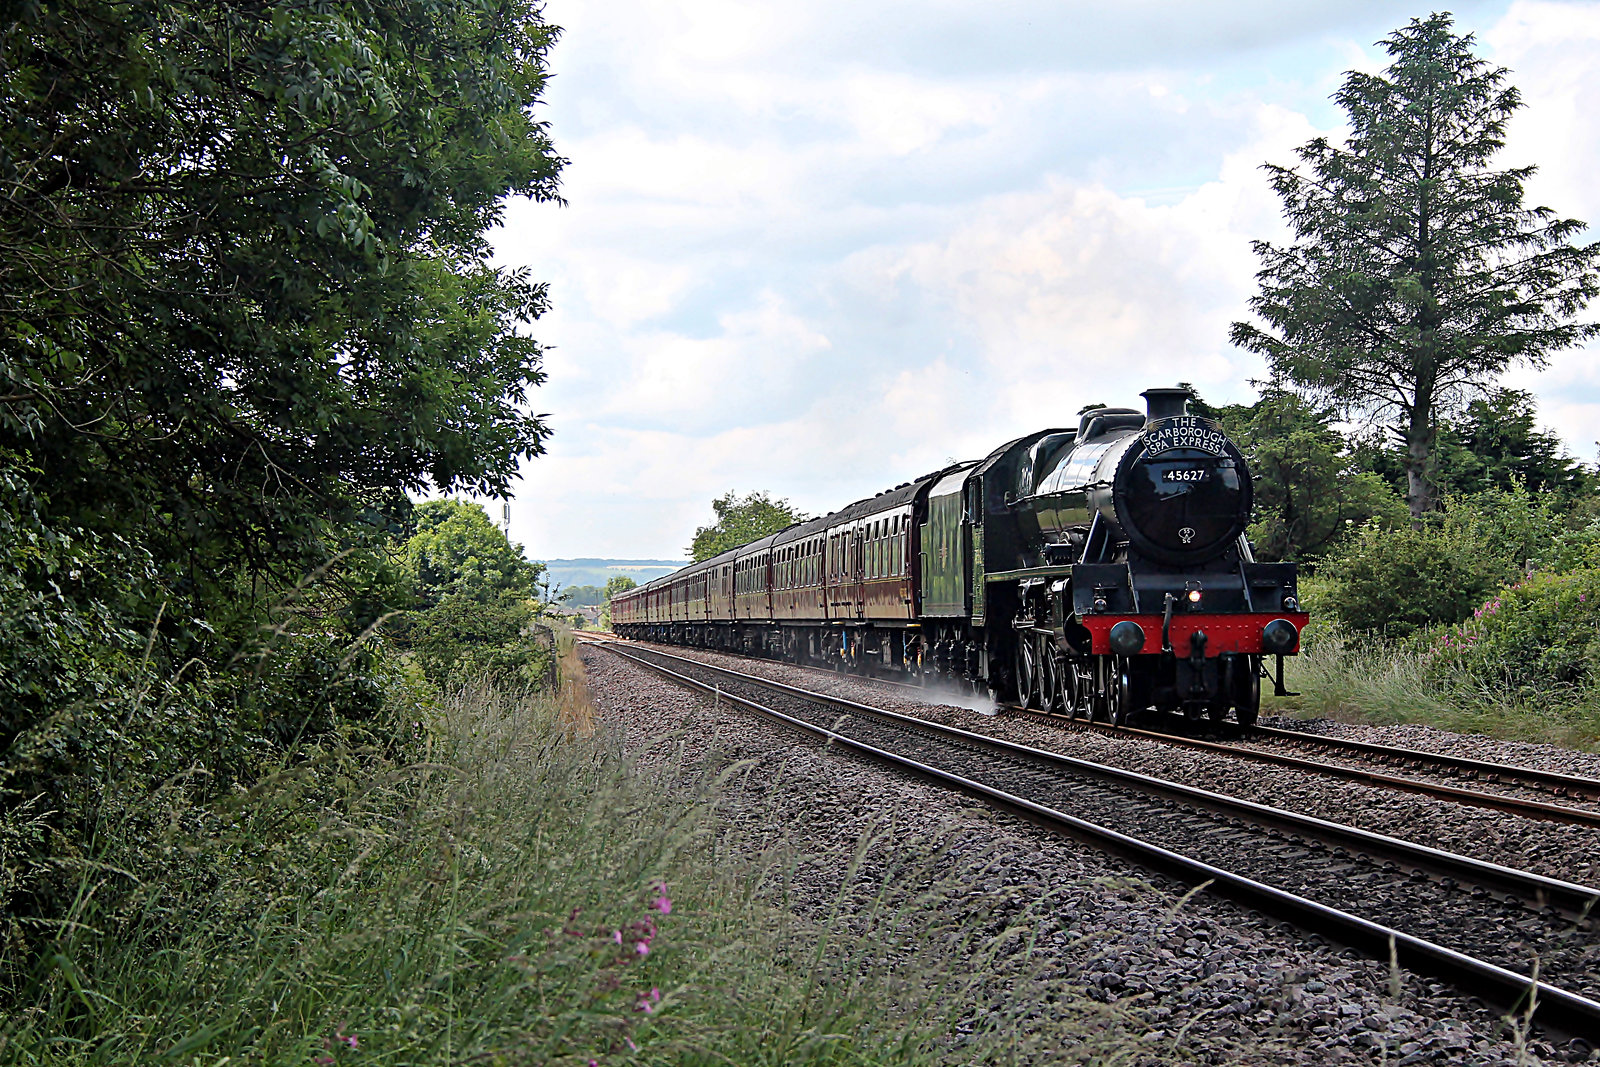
1166,403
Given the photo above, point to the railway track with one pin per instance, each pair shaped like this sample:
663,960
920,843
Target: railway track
1547,782
1248,747
1477,925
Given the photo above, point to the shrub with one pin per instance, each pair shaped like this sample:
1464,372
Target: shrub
1538,636
1397,581
511,894
461,639
1571,550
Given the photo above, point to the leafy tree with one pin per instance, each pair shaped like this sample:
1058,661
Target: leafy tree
475,594
246,308
245,298
1497,445
740,520
458,551
1309,491
585,596
1417,274
619,583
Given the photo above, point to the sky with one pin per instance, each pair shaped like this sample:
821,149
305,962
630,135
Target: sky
819,249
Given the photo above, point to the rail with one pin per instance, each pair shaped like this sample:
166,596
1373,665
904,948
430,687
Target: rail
1556,1008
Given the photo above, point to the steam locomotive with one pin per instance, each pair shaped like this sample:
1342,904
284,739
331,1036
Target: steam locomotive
1099,571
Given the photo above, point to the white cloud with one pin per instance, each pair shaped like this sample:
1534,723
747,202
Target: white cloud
1550,49
817,249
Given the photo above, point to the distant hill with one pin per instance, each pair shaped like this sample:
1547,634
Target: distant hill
566,572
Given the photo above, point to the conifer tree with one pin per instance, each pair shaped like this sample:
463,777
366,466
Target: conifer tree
1416,275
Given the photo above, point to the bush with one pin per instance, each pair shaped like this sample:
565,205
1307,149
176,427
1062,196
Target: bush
1398,581
1571,550
1538,636
508,894
461,639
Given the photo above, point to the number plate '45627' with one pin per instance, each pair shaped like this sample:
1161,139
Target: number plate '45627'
1199,474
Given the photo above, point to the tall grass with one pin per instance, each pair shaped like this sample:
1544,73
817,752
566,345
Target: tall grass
516,892
1381,682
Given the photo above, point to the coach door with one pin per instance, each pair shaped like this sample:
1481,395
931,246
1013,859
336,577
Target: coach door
858,570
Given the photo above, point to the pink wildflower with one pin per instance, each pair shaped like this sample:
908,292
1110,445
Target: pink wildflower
643,947
616,936
664,904
631,1046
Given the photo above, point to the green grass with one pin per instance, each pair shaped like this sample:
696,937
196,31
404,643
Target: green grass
482,902
1378,682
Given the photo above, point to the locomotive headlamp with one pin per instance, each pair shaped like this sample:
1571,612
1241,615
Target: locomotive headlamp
1278,636
1192,593
1100,602
1127,638
1291,604
1194,596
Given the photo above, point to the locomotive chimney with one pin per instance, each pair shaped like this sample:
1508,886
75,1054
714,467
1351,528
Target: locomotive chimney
1165,403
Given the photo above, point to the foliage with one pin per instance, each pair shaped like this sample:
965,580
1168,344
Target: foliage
1494,443
740,520
1366,679
618,583
282,310
1309,492
527,899
1417,274
476,599
1397,581
1497,445
246,306
1575,548
458,551
1537,637
584,596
